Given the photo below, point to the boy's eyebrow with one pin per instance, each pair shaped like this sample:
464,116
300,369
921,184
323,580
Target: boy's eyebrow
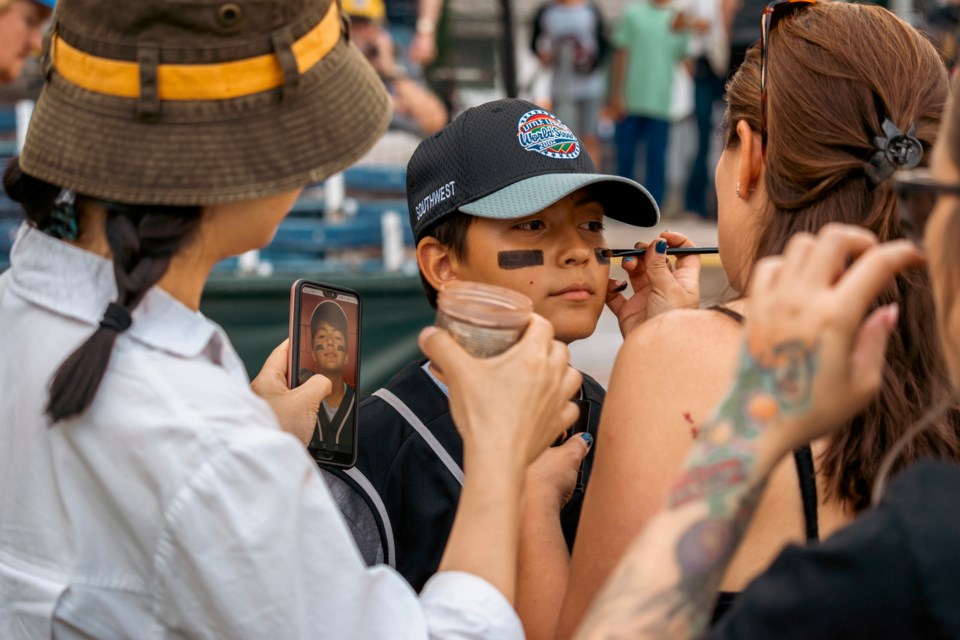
587,198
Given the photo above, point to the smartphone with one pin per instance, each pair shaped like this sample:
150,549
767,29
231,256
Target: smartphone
325,340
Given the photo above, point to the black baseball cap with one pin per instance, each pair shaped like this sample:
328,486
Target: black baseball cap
509,159
330,312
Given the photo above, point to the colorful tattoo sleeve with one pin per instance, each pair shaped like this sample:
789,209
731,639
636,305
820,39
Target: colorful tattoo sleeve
667,583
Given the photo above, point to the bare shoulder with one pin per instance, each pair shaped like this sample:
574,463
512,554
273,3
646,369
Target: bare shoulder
685,336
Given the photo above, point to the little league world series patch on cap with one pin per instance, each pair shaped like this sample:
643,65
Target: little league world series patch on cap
509,159
541,132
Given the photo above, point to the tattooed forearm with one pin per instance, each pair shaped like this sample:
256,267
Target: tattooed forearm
667,583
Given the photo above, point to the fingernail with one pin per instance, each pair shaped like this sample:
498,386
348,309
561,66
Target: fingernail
627,259
619,285
893,315
587,439
661,246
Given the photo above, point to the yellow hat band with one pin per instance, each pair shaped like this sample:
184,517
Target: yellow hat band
221,81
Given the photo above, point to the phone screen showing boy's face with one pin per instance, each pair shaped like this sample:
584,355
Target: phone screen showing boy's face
328,328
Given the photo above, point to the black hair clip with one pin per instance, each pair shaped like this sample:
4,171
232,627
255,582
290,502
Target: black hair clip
894,150
63,217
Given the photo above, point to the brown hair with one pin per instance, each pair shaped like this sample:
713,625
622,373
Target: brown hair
835,72
451,232
142,239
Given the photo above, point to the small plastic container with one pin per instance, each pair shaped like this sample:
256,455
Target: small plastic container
485,319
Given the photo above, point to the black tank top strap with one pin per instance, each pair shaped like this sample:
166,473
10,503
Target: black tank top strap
808,491
730,313
803,458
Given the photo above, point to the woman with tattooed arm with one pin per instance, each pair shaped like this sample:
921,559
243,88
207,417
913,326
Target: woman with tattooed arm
894,573
841,114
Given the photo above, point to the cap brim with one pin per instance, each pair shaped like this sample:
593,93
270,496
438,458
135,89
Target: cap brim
622,199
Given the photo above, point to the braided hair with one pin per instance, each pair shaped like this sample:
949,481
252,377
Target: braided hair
142,240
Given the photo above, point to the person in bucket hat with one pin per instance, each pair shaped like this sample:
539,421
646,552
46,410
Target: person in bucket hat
21,28
146,488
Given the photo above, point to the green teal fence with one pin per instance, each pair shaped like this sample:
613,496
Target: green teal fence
255,314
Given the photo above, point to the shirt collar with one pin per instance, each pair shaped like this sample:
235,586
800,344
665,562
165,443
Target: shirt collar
75,283
443,387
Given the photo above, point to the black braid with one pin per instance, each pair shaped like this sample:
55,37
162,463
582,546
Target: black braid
142,239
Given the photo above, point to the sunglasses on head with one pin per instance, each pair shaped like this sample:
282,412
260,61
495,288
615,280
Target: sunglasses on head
918,192
774,13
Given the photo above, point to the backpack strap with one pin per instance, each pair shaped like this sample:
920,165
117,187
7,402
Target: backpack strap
407,414
370,495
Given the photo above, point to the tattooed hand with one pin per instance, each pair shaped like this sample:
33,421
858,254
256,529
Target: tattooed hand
806,329
658,287
809,362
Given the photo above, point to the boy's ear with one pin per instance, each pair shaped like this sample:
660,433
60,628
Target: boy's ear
437,263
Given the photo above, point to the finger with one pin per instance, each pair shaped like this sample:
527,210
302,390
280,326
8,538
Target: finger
537,339
559,354
539,333
873,270
658,268
277,360
836,245
313,391
442,350
870,349
675,239
689,264
615,303
577,448
764,276
569,413
636,271
796,255
615,286
570,383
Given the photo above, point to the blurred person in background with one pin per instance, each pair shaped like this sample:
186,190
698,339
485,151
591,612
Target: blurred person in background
21,33
413,26
709,59
742,18
649,41
415,108
569,39
943,25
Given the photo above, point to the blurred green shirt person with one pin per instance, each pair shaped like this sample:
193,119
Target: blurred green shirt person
647,33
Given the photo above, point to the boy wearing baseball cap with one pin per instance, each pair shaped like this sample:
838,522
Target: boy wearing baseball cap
503,195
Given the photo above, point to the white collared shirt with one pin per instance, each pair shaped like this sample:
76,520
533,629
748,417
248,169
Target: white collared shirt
175,506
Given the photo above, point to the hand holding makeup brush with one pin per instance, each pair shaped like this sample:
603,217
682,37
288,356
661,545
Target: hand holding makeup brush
658,287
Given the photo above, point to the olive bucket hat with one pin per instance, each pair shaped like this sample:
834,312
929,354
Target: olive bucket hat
200,101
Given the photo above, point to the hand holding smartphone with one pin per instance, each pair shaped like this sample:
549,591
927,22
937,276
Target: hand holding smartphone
325,340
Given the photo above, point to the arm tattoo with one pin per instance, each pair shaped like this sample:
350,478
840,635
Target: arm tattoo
667,582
